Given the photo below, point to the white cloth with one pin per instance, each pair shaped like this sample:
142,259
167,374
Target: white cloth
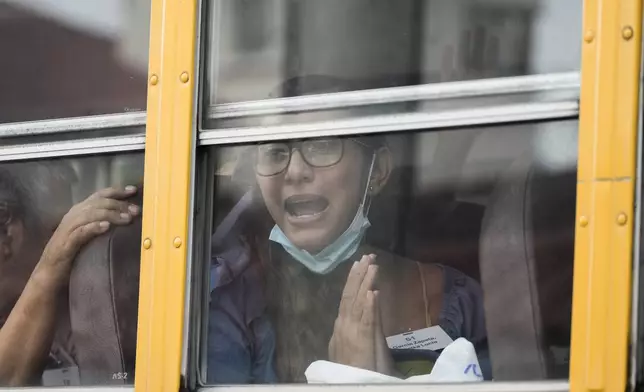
457,363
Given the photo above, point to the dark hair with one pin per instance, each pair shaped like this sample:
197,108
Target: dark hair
27,187
322,84
11,197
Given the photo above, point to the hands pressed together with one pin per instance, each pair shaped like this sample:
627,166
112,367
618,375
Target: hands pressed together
358,339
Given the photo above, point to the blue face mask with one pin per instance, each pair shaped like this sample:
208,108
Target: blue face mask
345,246
333,254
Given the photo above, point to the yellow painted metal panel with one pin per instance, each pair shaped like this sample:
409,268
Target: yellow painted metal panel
581,310
168,164
605,194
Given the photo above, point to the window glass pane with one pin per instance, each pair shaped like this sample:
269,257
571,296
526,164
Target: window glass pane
69,270
70,58
545,96
255,48
473,232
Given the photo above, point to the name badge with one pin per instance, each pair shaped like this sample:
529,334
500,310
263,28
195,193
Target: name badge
64,377
432,338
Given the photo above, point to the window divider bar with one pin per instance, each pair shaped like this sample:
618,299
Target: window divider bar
517,386
425,92
99,145
397,122
74,124
112,388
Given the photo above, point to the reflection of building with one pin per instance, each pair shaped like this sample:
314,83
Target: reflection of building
54,64
472,40
65,58
385,43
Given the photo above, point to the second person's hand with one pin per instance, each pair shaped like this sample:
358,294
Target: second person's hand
84,221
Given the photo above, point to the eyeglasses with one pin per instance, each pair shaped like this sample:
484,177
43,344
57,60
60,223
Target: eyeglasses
274,158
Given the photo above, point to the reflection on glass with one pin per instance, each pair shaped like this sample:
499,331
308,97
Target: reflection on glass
383,43
343,250
70,238
68,58
411,111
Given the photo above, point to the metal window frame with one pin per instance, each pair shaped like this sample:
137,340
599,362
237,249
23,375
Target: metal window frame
70,389
636,302
564,106
404,122
502,115
538,386
73,124
556,96
607,170
610,69
35,148
481,88
31,134
169,197
45,139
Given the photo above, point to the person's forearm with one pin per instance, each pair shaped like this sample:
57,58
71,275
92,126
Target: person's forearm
26,337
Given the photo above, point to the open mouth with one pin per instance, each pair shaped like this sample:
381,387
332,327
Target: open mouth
302,206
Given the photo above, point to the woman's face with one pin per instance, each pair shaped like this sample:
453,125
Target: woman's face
314,205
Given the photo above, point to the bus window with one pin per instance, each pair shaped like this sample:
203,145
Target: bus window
334,251
70,232
383,182
68,58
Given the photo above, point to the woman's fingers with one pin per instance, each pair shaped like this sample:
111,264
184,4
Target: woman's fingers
368,319
360,303
367,329
351,288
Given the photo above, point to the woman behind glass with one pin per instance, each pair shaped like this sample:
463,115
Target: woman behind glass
310,287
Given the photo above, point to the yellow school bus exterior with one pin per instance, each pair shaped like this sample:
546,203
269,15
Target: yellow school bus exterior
234,195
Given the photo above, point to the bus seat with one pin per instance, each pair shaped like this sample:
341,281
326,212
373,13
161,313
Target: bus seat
103,299
526,256
428,225
445,232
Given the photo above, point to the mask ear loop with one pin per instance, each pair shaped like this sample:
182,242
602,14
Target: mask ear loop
366,199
